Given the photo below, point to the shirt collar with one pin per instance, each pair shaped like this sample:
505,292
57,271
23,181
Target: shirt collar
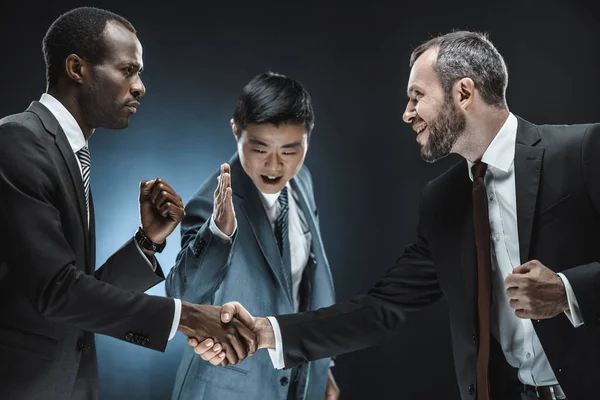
66,121
269,199
500,154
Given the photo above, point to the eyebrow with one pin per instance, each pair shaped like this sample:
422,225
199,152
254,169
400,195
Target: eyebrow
258,142
413,88
135,65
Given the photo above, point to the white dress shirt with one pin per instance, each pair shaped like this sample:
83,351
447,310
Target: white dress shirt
300,243
77,141
519,342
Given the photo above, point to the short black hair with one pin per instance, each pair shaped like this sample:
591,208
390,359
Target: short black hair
271,98
465,54
78,31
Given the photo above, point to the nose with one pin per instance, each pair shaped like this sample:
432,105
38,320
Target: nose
409,113
137,88
273,162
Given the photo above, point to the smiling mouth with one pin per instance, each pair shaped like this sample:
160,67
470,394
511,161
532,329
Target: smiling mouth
421,128
271,179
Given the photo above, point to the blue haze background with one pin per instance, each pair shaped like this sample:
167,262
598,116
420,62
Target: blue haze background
365,163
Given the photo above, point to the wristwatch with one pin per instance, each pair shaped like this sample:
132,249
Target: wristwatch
145,243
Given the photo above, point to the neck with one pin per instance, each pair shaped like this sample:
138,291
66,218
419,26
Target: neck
70,101
479,133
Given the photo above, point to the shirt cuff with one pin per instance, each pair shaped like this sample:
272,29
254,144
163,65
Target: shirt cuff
176,318
574,313
277,353
150,260
218,233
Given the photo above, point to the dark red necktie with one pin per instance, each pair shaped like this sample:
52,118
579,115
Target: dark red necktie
484,286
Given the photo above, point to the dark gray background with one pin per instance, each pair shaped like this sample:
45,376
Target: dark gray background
365,163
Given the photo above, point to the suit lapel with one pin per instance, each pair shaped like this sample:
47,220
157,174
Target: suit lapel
254,211
53,127
92,239
317,244
528,168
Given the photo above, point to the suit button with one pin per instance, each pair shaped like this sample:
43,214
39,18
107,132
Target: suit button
472,389
284,381
474,339
129,336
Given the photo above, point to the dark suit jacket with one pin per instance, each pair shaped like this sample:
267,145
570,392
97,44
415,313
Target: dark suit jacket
557,174
249,270
51,298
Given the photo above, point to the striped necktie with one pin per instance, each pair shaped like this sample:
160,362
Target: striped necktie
86,162
281,226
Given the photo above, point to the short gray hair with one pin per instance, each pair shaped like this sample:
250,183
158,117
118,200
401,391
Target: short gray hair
464,54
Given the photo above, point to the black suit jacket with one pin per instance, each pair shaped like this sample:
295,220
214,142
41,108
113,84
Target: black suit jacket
557,174
51,298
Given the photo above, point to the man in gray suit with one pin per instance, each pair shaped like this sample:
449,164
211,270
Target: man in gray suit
251,233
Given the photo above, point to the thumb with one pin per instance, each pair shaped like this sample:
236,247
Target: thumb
235,309
522,269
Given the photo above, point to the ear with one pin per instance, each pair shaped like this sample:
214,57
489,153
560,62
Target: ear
76,68
464,92
234,129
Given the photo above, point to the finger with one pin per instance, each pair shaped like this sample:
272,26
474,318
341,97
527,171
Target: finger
171,210
193,342
156,189
514,303
230,354
206,344
234,308
165,196
207,352
238,346
226,180
226,168
512,292
219,359
247,335
523,314
164,185
145,189
219,189
229,200
513,280
523,268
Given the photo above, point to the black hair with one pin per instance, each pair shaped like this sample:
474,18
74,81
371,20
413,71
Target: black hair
272,98
79,31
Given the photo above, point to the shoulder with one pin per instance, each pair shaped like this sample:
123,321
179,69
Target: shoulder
304,178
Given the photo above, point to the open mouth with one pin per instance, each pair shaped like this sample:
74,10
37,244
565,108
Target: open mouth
271,179
421,128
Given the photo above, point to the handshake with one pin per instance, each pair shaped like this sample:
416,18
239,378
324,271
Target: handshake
224,335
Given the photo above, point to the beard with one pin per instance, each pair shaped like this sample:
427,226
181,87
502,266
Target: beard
447,127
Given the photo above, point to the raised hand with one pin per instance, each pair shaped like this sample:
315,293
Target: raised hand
212,349
161,209
223,211
536,292
203,321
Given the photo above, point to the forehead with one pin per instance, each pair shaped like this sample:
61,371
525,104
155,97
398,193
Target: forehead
121,44
422,73
275,135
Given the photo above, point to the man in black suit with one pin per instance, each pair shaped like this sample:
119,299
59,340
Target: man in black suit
52,300
509,236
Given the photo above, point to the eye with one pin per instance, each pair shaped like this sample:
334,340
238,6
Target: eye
418,96
259,151
289,153
128,71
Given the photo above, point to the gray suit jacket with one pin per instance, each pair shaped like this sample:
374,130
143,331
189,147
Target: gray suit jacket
248,270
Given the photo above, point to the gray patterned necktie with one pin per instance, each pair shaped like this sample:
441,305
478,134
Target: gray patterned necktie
281,226
86,162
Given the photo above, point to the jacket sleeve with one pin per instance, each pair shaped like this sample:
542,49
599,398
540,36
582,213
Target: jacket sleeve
42,261
204,258
128,268
585,279
365,320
